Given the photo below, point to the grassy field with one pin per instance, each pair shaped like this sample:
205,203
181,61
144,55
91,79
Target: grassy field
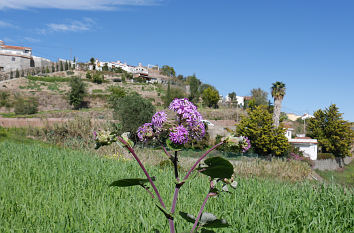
50,189
344,176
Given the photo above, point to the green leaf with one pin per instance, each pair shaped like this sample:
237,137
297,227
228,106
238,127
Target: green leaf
130,182
188,217
206,220
217,167
210,221
173,146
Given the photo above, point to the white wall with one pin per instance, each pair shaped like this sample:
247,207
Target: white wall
309,149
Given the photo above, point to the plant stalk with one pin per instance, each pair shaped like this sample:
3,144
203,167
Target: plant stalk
200,213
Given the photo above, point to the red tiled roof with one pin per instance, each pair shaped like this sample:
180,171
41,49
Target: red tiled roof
15,47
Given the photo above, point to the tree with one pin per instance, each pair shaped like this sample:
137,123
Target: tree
266,139
132,111
233,98
61,66
117,93
194,84
332,132
77,92
53,68
66,65
92,61
278,93
17,73
47,69
105,67
168,71
171,94
260,97
211,97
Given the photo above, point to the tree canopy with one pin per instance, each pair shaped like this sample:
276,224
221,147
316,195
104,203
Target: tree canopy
168,71
210,97
332,132
265,138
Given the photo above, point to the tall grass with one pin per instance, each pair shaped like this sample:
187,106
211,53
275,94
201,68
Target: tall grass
50,189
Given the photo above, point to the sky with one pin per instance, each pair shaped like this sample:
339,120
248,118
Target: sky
233,45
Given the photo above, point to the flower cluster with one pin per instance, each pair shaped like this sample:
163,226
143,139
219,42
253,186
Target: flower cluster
188,125
145,132
188,116
246,144
158,119
103,138
179,135
239,143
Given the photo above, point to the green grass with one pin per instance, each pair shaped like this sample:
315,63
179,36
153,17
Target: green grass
343,177
48,79
50,189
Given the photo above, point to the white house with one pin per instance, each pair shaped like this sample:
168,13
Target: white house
305,144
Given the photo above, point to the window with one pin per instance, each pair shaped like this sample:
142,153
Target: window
1,68
27,51
13,59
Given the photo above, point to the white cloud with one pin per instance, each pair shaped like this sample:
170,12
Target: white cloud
85,24
4,24
74,4
31,40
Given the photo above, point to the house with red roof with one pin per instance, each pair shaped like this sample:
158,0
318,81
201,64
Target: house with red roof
305,144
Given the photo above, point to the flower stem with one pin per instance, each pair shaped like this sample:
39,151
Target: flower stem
200,213
131,150
200,159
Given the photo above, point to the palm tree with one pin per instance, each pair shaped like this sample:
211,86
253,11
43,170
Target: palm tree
278,92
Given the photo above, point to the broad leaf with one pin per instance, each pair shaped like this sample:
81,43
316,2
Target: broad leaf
206,220
187,217
210,221
217,167
130,182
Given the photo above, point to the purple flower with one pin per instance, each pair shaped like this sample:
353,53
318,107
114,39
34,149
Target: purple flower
179,135
144,132
158,119
246,144
182,106
198,131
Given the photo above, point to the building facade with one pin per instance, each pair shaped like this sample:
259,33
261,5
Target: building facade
15,58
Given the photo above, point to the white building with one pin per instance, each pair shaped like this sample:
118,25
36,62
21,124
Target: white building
305,144
240,100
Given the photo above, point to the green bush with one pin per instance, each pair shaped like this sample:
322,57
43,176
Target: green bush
77,93
114,98
88,75
133,111
325,156
4,99
98,78
69,72
24,106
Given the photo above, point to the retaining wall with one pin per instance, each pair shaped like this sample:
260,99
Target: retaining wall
331,164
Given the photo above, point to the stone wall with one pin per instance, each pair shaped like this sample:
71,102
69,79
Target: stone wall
14,62
331,164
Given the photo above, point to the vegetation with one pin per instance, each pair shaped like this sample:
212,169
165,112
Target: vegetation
48,189
211,97
194,85
97,77
77,93
278,93
25,105
5,99
168,71
259,97
266,139
171,94
116,94
332,132
132,111
48,79
343,176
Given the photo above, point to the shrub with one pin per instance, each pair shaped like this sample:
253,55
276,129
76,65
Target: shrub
132,111
325,156
88,75
24,106
3,133
266,139
4,99
98,78
69,72
77,93
114,98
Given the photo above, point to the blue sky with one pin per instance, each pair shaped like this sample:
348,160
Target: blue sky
232,44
